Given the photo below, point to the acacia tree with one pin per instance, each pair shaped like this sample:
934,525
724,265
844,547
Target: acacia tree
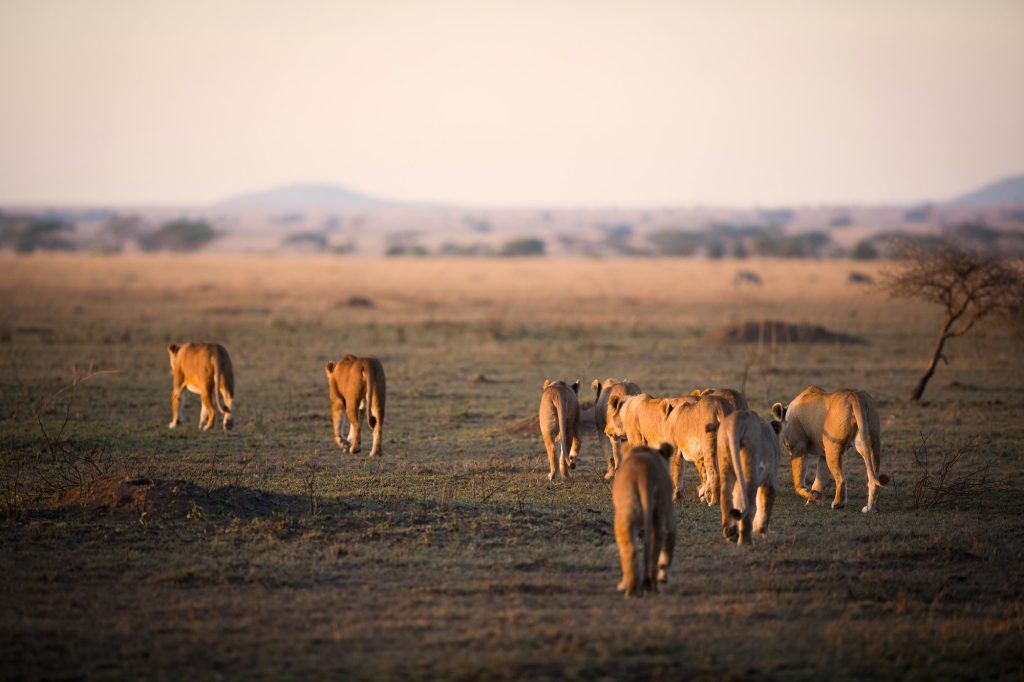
968,285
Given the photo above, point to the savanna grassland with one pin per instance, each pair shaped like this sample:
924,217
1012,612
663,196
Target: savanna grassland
128,550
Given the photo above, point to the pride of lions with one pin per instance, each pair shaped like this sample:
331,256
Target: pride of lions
734,451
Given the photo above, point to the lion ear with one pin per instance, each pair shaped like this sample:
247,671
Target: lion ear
547,382
776,426
666,450
666,408
329,367
614,402
778,412
595,385
173,348
576,387
695,391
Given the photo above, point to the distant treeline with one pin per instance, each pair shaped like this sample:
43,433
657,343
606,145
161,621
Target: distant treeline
729,241
28,233
115,233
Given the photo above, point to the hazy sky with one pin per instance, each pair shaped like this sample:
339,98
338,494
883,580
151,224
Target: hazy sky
510,103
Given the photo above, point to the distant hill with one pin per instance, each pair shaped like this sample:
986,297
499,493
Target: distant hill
304,196
1000,193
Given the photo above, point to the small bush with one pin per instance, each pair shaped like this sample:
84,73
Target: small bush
674,242
529,246
864,250
179,235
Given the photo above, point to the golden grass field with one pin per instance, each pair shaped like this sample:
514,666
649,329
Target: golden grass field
129,550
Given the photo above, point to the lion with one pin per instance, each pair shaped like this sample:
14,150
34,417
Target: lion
690,426
203,368
748,460
560,418
639,419
355,383
602,393
730,395
825,424
642,494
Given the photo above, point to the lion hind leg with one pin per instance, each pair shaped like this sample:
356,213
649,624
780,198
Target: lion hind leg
378,447
354,429
873,481
177,407
834,459
574,451
208,415
653,557
549,446
667,548
765,502
676,471
821,476
563,458
613,459
337,410
227,401
748,515
627,537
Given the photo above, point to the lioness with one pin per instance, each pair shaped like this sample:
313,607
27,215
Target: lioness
690,427
730,395
642,494
355,383
602,393
639,419
203,368
748,459
560,418
825,424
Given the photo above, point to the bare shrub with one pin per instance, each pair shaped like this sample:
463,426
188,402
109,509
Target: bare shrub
61,464
947,476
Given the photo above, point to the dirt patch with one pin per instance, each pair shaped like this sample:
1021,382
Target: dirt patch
119,497
145,499
775,331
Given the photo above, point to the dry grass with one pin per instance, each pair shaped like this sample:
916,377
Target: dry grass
268,553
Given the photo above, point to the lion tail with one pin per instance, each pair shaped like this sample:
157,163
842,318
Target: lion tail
733,440
374,399
867,442
218,377
650,547
560,412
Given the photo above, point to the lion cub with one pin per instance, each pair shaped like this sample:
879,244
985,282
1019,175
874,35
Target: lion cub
560,418
642,494
203,368
355,383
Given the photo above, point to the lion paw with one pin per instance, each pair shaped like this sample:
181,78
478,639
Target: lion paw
869,510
